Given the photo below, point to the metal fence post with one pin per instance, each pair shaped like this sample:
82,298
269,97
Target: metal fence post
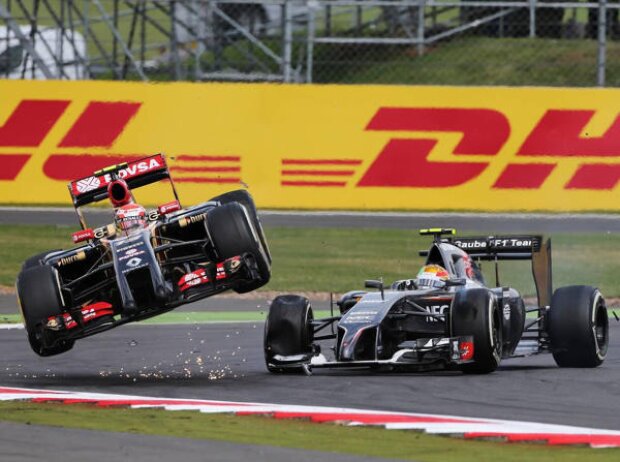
288,42
311,4
421,7
532,18
602,42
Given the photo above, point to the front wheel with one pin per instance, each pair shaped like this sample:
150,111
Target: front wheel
39,298
578,327
233,234
474,312
288,331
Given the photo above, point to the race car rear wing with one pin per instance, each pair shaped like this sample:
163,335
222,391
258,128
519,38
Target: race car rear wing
137,173
517,247
499,247
513,247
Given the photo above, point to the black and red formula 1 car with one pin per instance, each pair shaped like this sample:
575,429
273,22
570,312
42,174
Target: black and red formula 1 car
145,263
445,318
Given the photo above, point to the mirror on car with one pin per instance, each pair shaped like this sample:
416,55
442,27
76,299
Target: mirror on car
169,207
373,284
83,235
455,282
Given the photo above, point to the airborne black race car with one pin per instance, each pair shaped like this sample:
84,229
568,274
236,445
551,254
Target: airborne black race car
178,256
464,325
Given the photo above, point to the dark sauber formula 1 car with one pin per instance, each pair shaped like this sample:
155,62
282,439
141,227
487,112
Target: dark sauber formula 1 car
177,256
463,325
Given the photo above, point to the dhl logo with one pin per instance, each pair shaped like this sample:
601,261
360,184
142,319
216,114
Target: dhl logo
404,162
96,128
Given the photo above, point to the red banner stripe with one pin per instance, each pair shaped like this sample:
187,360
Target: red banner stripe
206,180
319,172
11,165
190,158
321,162
205,169
100,124
313,183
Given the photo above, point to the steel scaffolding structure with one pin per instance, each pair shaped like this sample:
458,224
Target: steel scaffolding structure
268,40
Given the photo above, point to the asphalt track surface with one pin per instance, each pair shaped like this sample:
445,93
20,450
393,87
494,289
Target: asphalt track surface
480,222
225,362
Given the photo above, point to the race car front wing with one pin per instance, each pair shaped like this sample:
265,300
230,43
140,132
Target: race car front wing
420,354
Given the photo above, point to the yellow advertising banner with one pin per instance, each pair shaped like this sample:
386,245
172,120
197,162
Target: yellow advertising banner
321,147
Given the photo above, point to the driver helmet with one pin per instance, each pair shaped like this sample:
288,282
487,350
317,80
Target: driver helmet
432,276
130,217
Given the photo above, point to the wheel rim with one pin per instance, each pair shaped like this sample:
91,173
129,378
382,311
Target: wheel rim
496,333
601,330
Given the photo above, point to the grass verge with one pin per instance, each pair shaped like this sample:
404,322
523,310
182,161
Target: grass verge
367,441
338,260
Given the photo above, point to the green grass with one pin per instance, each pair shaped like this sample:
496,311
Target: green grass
470,61
405,445
339,260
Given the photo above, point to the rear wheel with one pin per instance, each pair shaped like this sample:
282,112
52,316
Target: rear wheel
288,331
474,312
578,327
232,234
39,298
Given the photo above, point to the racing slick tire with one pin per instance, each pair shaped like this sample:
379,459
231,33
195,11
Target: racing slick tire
245,199
233,234
474,312
38,298
36,260
578,327
288,331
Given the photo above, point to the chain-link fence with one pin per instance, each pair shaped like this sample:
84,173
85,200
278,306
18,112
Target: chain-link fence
532,42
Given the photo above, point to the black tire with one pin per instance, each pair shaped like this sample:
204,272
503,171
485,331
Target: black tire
245,199
474,312
232,234
578,327
288,330
36,260
38,298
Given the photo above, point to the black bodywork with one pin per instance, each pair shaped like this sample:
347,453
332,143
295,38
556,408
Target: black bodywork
406,327
114,278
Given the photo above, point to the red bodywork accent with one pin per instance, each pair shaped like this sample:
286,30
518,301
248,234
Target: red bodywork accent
223,270
121,195
467,350
89,313
193,279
